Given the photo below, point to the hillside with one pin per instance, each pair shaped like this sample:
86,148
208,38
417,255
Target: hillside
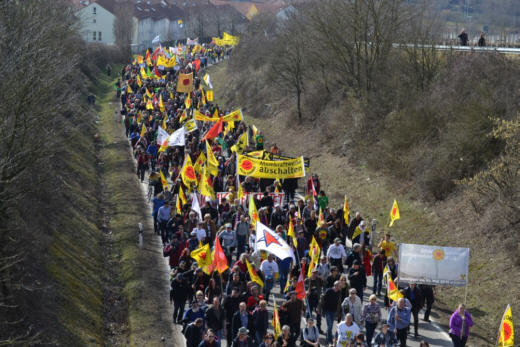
342,170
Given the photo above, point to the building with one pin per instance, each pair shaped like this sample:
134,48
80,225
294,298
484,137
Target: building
98,22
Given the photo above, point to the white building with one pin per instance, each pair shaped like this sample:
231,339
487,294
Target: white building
97,23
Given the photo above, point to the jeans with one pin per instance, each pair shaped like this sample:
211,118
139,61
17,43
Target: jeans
283,278
370,328
457,341
162,228
259,336
378,283
241,245
178,311
329,317
269,283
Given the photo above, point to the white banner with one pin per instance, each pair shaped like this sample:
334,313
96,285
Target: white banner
433,265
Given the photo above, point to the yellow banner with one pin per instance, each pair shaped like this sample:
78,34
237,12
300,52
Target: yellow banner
234,116
258,168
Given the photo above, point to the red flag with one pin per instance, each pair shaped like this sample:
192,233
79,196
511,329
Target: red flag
214,131
300,286
314,193
219,258
197,64
154,55
157,73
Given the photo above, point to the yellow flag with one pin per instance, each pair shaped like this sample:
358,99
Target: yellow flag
178,205
506,337
202,255
205,188
148,94
209,95
287,285
143,73
241,144
182,196
255,130
253,275
139,83
129,90
346,211
161,104
253,213
290,232
211,160
276,320
394,213
240,192
314,254
149,105
321,217
253,11
187,101
392,291
164,123
165,184
188,172
143,130
200,162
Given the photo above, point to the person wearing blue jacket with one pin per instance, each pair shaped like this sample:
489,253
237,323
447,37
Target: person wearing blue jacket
385,338
399,320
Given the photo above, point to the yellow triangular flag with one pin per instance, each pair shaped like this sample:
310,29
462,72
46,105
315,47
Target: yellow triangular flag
253,213
392,291
394,213
252,273
211,160
165,184
290,232
506,337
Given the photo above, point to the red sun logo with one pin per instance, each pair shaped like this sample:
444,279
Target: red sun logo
507,331
186,81
391,286
203,255
190,173
247,165
394,210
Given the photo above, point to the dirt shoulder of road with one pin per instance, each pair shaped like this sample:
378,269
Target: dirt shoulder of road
141,270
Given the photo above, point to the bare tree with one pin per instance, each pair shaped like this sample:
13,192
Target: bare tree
123,29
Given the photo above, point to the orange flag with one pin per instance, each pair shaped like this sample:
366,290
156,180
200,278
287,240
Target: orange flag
214,131
219,258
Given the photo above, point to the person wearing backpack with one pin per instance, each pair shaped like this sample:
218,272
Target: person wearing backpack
310,334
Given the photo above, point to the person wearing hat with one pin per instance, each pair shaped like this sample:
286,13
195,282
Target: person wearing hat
357,278
336,254
243,339
178,295
311,335
386,337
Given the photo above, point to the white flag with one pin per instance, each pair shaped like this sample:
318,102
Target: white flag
207,80
162,135
195,206
177,138
268,240
156,39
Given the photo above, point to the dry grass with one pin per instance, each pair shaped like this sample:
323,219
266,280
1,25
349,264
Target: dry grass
493,277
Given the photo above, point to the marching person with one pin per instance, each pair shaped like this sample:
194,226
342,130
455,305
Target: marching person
460,323
399,321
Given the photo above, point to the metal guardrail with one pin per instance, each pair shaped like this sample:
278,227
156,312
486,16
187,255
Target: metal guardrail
503,50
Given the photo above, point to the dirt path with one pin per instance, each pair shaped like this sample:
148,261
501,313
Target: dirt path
137,308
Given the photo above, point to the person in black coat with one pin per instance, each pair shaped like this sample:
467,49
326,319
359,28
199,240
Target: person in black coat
231,306
194,333
414,295
428,296
357,278
179,290
243,340
236,322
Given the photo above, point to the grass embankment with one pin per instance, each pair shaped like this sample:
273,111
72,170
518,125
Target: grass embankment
141,271
446,223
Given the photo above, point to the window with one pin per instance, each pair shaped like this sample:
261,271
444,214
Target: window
94,35
99,35
94,20
94,9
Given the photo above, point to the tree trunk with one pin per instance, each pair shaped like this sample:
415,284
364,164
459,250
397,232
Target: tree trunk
298,101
